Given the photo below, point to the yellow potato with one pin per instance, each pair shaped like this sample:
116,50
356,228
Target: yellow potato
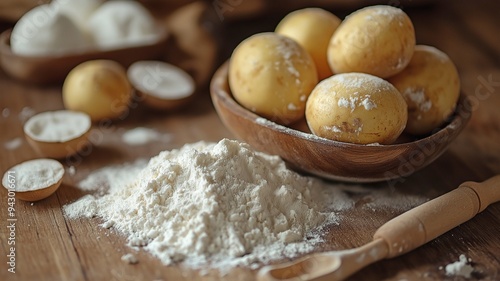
312,28
99,88
356,108
272,75
377,40
431,87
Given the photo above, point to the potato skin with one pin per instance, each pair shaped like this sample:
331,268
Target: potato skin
312,28
272,75
99,88
377,40
430,85
356,108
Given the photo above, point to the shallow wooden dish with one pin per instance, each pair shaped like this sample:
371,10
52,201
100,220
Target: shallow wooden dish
61,148
331,159
38,194
51,69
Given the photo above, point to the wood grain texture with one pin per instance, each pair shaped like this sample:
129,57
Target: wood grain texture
52,247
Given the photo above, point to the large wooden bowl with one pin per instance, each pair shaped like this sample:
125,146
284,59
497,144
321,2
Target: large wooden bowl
332,159
51,69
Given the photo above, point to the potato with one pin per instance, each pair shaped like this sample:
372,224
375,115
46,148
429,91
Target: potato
431,87
272,75
377,40
312,28
356,108
99,88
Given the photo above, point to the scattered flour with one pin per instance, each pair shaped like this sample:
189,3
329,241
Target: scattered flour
219,204
13,143
85,207
114,178
288,50
355,100
336,129
129,258
292,106
367,103
348,103
6,112
386,200
71,170
418,97
460,267
141,136
355,81
26,113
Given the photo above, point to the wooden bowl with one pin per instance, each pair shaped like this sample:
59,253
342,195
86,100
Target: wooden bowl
51,69
38,194
48,173
332,159
60,148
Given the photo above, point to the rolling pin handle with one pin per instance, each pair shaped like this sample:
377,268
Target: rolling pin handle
433,218
487,191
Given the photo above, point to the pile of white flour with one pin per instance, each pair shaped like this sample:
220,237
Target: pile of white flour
217,204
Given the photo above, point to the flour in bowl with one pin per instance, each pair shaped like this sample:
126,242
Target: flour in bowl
219,205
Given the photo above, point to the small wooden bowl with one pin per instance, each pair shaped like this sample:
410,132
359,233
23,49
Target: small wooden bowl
59,149
332,159
52,69
39,194
32,193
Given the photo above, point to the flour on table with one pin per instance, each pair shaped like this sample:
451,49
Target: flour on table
392,201
111,179
383,199
71,170
13,143
85,207
129,258
26,113
5,112
216,204
141,135
460,267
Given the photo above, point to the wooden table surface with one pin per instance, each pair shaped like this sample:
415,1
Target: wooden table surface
51,247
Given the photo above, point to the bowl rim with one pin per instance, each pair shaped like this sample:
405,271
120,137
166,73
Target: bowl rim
77,114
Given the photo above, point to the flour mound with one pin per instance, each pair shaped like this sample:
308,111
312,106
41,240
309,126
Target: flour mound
219,204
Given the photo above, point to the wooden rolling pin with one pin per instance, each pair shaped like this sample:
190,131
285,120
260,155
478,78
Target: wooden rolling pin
396,237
